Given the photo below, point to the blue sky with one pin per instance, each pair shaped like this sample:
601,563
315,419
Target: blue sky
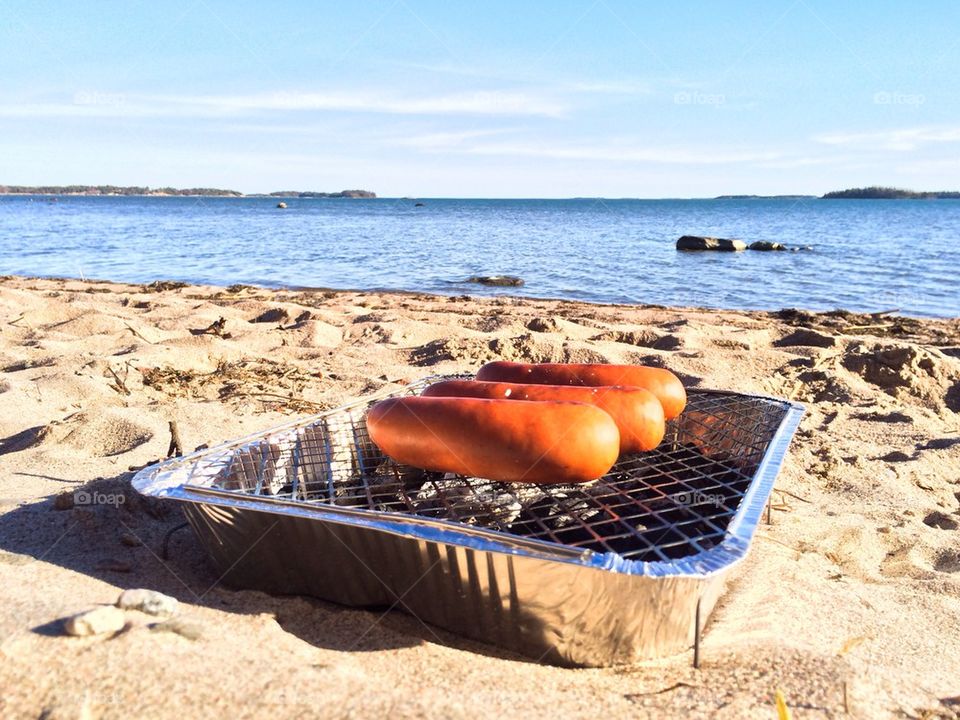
494,99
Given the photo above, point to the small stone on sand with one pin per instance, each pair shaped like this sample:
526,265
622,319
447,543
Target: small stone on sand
189,630
100,620
148,601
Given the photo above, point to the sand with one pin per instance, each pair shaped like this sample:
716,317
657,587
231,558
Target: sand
848,603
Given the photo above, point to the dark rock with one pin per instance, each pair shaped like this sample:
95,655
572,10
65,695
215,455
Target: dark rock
767,245
697,242
810,338
496,280
418,204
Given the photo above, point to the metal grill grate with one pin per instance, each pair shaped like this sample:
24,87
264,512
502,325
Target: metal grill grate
672,502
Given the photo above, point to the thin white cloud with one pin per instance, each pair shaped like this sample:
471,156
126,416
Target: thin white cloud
472,142
904,139
622,153
481,102
445,140
97,104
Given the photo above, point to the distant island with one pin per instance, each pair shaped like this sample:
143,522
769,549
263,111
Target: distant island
168,191
311,194
111,190
765,197
889,193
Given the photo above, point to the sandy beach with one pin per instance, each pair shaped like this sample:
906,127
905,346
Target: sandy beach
848,602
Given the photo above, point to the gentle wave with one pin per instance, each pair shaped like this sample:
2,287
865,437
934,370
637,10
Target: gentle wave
866,255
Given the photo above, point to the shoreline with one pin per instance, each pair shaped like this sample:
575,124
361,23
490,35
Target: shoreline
847,599
490,293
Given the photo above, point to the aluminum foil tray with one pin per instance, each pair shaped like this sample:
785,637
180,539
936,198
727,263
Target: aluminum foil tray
622,569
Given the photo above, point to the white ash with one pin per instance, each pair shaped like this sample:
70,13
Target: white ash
474,502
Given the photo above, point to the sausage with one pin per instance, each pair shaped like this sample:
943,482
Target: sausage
662,383
530,442
637,412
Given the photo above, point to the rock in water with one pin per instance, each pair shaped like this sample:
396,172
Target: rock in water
697,242
496,280
148,601
98,621
281,205
767,245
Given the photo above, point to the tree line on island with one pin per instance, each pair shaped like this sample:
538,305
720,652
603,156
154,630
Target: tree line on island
169,191
875,192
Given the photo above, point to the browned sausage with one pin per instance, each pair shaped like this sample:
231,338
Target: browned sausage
637,412
662,383
532,442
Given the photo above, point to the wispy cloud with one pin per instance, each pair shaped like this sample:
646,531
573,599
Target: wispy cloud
903,139
464,143
481,102
445,140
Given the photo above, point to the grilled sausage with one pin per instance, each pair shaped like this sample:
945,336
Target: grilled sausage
531,442
637,412
662,383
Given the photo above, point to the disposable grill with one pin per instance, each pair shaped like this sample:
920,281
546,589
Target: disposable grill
626,567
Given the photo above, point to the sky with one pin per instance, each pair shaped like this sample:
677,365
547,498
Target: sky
495,99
